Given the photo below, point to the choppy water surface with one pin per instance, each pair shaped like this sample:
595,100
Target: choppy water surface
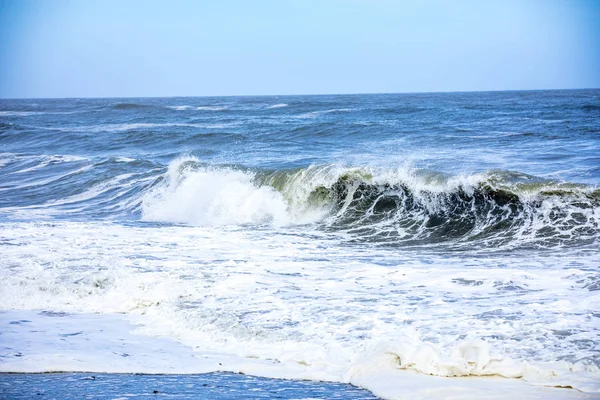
361,239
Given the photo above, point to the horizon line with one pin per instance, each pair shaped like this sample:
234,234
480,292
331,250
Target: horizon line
298,95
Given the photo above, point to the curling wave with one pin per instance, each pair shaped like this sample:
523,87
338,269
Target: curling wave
398,207
539,214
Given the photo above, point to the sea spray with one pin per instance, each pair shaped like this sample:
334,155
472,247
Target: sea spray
405,206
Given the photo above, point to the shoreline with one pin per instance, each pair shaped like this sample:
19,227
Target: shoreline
214,385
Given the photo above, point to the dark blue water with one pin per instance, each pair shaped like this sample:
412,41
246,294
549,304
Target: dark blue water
545,133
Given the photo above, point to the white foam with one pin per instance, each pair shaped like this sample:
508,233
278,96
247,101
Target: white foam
210,196
46,342
53,342
128,127
199,108
314,114
221,196
8,113
135,126
277,106
124,159
46,160
298,304
210,108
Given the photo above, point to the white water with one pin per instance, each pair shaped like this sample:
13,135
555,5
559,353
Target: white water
200,195
299,304
213,197
279,105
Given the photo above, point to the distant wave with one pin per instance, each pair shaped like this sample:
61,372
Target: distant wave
403,109
138,126
20,113
123,159
181,108
28,163
198,108
591,107
130,106
314,114
134,126
211,108
277,106
67,184
6,113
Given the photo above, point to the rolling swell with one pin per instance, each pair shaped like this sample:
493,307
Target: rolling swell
57,186
131,106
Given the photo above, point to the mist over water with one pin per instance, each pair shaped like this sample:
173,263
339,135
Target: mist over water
311,237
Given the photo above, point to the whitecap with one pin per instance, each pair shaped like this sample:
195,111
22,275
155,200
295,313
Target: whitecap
211,108
314,114
198,108
213,196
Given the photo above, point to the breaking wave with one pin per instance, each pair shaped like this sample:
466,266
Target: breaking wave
401,207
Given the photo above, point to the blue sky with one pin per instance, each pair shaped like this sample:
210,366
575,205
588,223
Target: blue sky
132,48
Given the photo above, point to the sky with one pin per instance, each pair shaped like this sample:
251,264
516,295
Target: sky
108,48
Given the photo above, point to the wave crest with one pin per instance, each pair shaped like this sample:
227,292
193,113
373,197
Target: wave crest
491,212
199,195
405,207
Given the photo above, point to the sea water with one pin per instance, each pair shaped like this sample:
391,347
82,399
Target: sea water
416,245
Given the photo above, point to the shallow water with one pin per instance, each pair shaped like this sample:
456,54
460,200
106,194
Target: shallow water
214,386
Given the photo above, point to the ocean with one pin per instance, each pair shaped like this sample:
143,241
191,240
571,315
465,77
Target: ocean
435,245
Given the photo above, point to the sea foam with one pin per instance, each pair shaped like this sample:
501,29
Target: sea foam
266,304
213,196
